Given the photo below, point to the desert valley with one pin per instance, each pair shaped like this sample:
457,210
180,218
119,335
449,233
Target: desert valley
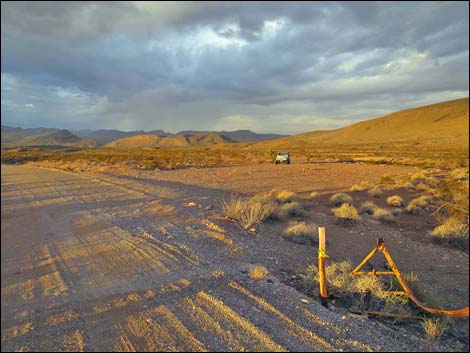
235,176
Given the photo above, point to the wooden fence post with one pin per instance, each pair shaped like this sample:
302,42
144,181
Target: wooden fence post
321,261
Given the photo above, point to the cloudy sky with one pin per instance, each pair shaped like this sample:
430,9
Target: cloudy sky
269,67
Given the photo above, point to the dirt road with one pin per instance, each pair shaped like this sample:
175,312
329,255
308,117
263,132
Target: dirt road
96,262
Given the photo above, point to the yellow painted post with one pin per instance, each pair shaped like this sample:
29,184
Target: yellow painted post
321,261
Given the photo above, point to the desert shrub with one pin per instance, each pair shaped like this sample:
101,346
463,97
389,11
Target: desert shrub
245,213
290,209
337,275
451,228
351,290
265,199
421,175
255,213
301,232
356,187
433,328
370,286
287,196
346,213
279,204
421,187
453,200
386,179
459,174
435,192
383,215
419,205
314,194
367,207
375,191
234,207
257,272
340,198
409,185
395,201
432,180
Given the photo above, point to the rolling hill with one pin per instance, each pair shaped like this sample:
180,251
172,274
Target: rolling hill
12,135
441,125
105,136
153,141
237,135
56,138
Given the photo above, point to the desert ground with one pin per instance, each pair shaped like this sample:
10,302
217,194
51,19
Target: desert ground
144,261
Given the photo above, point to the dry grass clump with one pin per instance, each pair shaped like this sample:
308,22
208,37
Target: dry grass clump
453,201
284,196
367,207
281,204
359,291
433,328
419,205
386,179
346,213
421,187
244,212
369,284
301,232
375,191
234,207
265,199
356,188
421,175
383,215
409,185
459,174
337,275
257,272
432,180
452,212
451,228
290,209
453,231
340,198
395,201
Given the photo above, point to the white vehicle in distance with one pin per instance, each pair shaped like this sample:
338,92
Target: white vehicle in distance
283,157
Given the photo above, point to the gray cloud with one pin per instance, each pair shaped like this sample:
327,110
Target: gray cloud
281,66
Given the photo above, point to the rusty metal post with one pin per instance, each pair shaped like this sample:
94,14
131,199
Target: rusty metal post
321,261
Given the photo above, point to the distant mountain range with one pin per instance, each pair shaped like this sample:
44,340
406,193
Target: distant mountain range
16,136
102,137
42,137
442,125
183,140
238,135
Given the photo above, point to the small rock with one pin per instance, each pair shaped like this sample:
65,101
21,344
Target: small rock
191,204
344,317
208,208
253,230
305,301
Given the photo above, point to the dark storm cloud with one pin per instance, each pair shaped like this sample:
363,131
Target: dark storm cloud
279,66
